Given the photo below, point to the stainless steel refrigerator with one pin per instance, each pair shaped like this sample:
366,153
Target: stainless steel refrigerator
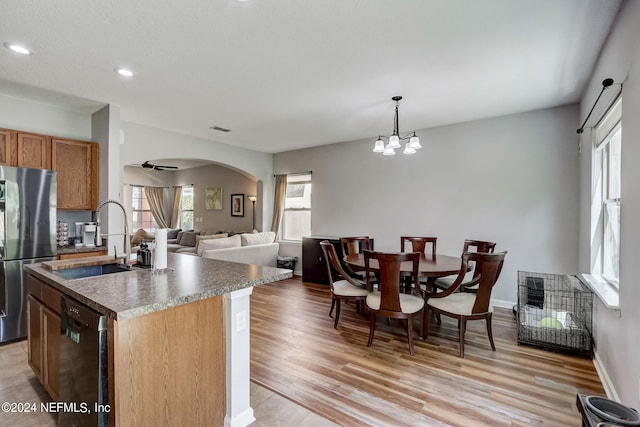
27,235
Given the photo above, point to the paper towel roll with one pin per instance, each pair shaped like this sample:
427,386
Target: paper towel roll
161,249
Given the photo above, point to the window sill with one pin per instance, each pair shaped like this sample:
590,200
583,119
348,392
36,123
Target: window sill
607,293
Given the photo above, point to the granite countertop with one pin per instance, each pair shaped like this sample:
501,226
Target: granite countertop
137,292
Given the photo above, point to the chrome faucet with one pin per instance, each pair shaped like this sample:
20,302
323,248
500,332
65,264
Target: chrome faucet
127,244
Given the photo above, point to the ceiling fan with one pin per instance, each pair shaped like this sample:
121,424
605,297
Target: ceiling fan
149,165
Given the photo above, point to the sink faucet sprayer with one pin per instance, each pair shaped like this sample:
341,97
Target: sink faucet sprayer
127,246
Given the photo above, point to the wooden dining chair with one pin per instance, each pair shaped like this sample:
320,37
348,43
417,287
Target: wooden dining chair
469,284
355,245
389,301
347,288
467,306
419,244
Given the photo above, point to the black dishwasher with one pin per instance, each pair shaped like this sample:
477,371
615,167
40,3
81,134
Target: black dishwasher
83,366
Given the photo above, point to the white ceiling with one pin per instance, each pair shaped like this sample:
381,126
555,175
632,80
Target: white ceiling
288,74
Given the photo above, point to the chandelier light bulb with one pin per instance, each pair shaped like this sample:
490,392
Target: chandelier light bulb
379,147
394,141
408,149
414,142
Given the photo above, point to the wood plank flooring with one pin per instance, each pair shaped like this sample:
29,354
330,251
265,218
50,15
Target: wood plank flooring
19,384
296,352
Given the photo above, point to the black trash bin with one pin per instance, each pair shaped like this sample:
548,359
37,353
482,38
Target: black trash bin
287,262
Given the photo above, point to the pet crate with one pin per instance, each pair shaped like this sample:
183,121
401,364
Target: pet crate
554,312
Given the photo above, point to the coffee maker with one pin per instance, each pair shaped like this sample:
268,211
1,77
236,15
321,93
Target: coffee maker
89,234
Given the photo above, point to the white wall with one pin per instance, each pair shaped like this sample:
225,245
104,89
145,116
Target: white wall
31,116
145,143
615,332
231,181
512,180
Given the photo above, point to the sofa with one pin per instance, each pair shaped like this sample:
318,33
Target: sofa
177,240
249,248
188,241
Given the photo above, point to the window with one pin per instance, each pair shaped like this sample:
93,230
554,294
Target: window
607,162
186,208
296,219
142,217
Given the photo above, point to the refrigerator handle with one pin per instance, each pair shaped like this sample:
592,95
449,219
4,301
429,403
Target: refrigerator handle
3,290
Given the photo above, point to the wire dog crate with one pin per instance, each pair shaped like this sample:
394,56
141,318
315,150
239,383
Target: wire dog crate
554,312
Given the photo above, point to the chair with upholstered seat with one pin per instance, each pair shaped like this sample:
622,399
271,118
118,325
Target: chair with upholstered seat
348,288
419,244
355,245
469,284
389,301
466,306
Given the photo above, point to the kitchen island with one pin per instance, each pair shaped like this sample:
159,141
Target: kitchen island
178,341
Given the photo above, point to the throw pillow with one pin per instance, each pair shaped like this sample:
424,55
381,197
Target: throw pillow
141,235
207,237
179,237
172,233
189,238
224,243
250,239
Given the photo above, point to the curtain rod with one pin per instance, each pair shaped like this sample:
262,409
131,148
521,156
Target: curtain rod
605,84
296,173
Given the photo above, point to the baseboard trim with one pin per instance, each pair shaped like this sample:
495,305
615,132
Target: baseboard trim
609,389
502,303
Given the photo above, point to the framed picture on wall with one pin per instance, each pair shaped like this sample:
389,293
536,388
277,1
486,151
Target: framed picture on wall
213,198
237,205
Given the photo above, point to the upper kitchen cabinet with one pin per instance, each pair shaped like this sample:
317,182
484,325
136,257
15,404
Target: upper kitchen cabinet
8,147
76,166
33,151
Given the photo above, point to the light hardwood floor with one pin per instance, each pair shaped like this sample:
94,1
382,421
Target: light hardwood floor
19,384
315,369
296,352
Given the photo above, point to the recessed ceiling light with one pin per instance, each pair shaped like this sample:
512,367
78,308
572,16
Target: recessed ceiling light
124,72
18,49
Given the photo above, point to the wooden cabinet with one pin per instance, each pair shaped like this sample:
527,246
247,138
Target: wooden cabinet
34,335
314,268
51,325
75,162
33,151
8,146
44,331
76,166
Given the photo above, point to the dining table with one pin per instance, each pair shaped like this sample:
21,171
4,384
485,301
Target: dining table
429,267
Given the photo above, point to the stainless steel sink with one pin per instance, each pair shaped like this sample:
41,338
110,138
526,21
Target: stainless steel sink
90,271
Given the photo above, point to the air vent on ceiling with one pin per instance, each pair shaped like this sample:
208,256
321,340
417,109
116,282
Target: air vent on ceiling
220,129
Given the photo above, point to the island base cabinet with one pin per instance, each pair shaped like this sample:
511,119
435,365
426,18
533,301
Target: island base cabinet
168,367
43,336
34,336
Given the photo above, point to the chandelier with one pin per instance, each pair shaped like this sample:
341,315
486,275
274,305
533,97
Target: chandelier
412,144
